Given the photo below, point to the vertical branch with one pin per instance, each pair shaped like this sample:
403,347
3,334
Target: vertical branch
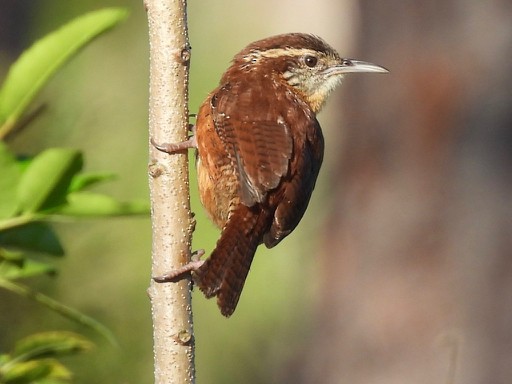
169,187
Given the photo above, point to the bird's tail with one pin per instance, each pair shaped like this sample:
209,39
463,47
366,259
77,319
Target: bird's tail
223,274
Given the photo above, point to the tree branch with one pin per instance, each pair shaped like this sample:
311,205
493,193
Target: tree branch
172,221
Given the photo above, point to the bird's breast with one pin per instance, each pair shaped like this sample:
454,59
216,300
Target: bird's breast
217,180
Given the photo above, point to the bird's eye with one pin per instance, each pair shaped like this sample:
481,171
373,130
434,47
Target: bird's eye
347,63
310,61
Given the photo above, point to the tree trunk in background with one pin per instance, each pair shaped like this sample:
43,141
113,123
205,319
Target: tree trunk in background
417,267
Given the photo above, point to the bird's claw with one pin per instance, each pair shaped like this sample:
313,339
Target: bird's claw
175,147
184,271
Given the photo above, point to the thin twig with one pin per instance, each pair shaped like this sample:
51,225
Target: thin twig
172,220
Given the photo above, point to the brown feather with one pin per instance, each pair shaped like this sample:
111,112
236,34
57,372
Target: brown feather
259,146
223,274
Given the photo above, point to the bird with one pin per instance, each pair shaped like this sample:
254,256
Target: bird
259,151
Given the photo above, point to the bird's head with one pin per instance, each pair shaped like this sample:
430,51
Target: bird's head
305,63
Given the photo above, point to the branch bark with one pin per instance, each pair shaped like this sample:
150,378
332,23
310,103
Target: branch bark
172,221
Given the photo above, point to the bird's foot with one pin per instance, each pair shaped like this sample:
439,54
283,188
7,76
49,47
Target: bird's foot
177,147
184,271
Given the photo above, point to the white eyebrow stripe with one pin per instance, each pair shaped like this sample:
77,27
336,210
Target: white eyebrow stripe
278,52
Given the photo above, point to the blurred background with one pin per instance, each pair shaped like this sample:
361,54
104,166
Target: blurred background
401,270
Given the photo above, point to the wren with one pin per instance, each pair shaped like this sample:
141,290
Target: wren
259,151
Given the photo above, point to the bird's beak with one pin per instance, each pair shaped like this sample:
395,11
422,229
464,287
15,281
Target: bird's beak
352,66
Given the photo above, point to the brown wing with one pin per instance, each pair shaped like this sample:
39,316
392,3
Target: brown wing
257,137
292,197
255,123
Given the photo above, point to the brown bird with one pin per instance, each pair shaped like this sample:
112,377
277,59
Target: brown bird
259,151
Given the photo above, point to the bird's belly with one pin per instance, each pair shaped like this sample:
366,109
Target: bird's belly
217,190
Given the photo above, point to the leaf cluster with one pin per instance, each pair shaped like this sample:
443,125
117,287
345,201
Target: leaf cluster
36,191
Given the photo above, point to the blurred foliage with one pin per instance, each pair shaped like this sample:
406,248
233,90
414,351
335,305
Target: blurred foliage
34,358
37,190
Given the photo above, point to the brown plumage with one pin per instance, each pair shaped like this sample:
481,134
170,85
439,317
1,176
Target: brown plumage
260,148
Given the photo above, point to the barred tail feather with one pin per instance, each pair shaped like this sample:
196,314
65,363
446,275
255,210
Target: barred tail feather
223,274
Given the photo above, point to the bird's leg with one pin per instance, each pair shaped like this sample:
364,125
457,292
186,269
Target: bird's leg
177,147
195,262
184,271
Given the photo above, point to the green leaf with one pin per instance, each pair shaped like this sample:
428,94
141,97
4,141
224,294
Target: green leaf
36,65
50,344
10,174
43,371
11,257
12,270
24,162
45,182
35,236
84,180
95,204
26,372
58,375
